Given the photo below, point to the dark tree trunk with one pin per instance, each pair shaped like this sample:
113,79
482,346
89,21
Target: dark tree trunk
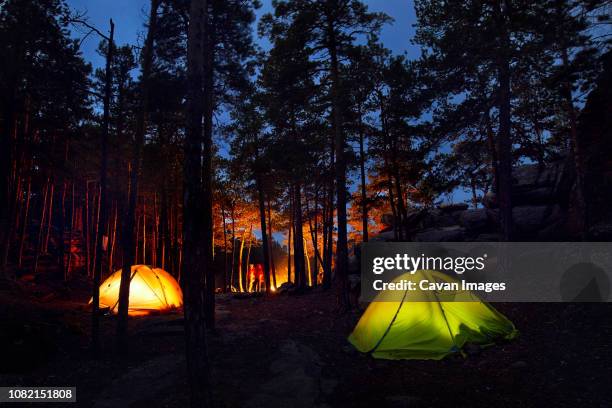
96,221
137,239
289,235
397,231
195,246
328,226
166,240
103,212
16,178
144,230
315,238
402,212
580,206
250,286
87,228
130,218
491,145
341,272
396,219
113,240
207,173
298,241
271,240
49,218
24,223
232,272
154,231
70,232
242,271
6,165
224,248
504,140
341,277
264,233
43,212
364,197
61,248
474,193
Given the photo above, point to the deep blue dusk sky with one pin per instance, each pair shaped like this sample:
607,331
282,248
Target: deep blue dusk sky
129,17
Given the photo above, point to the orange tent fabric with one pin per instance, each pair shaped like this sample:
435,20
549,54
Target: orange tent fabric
151,289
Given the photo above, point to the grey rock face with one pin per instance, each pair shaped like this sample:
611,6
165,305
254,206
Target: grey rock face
446,234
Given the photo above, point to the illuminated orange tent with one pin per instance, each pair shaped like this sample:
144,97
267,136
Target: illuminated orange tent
151,289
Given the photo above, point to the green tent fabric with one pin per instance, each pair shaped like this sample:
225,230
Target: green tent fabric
420,326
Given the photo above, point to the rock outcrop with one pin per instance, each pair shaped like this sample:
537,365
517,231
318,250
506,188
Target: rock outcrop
540,196
543,197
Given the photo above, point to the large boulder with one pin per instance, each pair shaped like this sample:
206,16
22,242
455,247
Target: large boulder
530,219
415,217
488,237
388,220
475,220
354,263
452,207
554,225
535,185
386,236
533,175
595,135
489,200
536,222
286,287
528,195
437,219
446,234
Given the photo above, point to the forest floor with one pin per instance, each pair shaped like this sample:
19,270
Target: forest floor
291,351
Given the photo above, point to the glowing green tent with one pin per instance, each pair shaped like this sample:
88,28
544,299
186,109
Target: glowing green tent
421,326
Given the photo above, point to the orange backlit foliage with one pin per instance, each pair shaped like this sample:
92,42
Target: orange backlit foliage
237,238
378,204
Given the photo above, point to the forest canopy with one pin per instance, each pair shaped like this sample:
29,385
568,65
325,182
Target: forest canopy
307,147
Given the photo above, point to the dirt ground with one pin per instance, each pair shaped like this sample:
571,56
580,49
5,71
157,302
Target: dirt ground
291,351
